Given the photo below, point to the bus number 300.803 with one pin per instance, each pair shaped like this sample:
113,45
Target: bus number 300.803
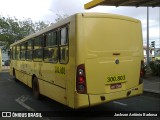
116,78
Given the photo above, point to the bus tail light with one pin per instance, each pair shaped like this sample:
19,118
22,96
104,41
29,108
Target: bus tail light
141,72
81,79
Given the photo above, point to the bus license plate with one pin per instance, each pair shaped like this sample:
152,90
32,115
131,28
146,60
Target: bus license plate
115,86
116,79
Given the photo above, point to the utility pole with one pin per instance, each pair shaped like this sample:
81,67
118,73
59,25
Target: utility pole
147,36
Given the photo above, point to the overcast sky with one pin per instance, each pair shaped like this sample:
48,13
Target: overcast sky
46,10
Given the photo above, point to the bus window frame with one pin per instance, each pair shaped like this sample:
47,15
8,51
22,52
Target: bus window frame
40,48
24,50
43,46
18,55
64,45
27,50
11,53
53,47
14,52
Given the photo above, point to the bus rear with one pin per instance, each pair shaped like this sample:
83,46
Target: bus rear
109,58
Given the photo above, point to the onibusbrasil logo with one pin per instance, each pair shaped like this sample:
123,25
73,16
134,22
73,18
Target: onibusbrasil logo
21,114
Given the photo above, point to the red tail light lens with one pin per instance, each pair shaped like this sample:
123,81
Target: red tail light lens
141,72
142,69
81,79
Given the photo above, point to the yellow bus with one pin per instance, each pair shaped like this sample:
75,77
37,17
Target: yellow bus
84,60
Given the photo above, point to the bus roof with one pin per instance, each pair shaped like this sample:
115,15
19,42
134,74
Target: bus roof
65,21
108,15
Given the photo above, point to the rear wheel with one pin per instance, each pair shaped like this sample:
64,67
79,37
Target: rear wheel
35,88
14,74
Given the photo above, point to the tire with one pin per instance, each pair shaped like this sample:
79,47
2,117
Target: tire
35,88
14,74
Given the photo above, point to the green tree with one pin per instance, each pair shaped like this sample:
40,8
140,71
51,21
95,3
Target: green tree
60,16
12,29
40,25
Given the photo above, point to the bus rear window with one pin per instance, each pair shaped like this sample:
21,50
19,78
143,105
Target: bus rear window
111,34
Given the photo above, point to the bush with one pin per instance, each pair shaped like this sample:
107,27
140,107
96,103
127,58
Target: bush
155,67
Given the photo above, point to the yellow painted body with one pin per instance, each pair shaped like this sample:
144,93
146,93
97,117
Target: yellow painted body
97,41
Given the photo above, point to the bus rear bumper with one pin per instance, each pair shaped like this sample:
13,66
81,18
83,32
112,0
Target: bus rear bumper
87,100
102,98
81,100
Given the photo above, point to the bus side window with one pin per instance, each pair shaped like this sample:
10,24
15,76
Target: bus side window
13,52
29,48
18,52
38,51
64,57
51,48
23,51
